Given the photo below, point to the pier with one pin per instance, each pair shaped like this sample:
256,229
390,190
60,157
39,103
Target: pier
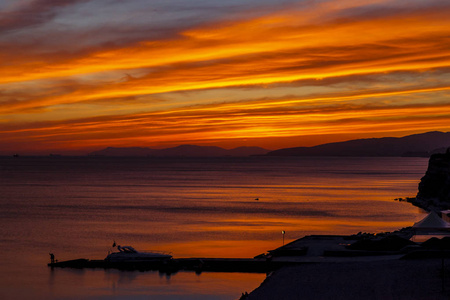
311,249
174,265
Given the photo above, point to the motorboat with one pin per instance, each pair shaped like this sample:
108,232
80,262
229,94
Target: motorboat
129,254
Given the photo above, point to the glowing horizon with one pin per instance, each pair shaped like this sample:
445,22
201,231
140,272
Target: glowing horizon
270,74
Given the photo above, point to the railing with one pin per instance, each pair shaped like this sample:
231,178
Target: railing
155,251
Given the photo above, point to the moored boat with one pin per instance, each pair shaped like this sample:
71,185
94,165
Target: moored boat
129,254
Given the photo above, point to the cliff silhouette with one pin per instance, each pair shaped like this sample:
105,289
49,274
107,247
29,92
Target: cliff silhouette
434,187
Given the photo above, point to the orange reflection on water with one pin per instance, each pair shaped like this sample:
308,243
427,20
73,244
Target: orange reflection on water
222,248
66,283
270,237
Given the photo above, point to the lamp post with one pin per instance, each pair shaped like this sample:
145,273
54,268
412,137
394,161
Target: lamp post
283,232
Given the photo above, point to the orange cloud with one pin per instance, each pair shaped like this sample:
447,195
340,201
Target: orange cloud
137,91
234,121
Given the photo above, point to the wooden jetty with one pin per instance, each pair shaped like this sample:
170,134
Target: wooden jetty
170,266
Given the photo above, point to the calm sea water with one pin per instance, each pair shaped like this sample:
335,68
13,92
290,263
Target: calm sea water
76,207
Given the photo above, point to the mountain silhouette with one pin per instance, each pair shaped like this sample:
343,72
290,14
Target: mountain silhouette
422,144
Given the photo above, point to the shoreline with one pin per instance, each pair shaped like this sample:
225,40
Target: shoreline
362,266
393,279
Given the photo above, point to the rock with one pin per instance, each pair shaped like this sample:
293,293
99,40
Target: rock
434,187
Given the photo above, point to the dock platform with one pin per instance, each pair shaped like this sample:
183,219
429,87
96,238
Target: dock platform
198,265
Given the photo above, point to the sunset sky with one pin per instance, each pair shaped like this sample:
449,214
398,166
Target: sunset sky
81,75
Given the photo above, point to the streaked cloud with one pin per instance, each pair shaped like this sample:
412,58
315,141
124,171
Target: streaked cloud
171,72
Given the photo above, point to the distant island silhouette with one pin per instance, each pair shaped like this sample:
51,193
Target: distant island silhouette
416,145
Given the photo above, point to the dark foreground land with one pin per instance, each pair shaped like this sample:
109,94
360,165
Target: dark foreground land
389,279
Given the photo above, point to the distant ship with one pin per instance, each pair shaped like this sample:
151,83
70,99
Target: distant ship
129,254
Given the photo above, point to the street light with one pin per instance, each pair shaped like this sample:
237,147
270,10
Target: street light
283,232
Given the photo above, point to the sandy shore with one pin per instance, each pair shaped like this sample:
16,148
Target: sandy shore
393,279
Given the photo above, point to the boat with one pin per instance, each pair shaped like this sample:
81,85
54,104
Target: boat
129,254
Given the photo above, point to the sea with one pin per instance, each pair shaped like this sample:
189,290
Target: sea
237,207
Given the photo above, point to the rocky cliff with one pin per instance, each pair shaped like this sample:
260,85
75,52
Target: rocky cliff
434,187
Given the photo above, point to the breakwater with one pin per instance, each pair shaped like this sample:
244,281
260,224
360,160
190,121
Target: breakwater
198,265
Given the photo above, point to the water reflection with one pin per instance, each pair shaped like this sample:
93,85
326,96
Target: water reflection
90,284
76,208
